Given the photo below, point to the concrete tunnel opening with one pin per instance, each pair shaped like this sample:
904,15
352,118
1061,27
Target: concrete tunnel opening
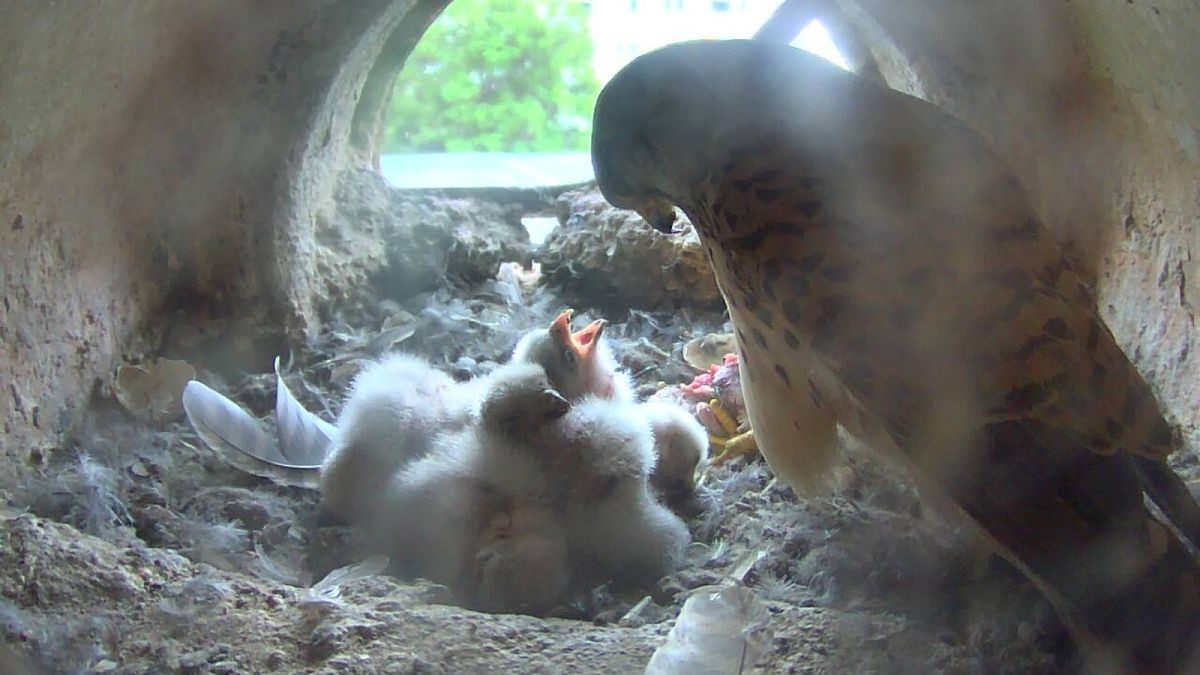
222,194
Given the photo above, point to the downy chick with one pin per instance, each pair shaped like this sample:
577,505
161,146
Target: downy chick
398,406
395,409
601,455
474,514
582,363
521,561
578,363
680,444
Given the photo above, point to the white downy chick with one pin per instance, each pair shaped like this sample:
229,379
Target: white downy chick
474,513
521,560
582,363
680,444
579,363
601,454
398,406
395,410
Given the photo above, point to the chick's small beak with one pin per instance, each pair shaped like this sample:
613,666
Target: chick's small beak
560,328
584,340
556,405
660,215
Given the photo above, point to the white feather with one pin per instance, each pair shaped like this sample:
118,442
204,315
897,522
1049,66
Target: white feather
239,438
330,586
304,438
721,629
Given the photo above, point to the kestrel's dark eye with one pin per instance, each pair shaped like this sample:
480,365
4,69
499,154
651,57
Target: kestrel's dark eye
569,357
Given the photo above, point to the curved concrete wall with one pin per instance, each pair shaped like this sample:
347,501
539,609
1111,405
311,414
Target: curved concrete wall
163,155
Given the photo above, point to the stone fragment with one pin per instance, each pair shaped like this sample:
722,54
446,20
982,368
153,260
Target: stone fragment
610,258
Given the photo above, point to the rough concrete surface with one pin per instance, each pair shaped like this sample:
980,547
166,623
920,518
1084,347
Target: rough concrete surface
381,241
156,155
610,258
150,610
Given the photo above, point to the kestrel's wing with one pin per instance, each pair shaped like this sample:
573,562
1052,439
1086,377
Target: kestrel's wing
911,277
975,349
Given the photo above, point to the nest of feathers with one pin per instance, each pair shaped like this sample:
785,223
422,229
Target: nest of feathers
867,548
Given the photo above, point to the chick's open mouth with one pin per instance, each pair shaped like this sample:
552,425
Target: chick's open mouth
581,342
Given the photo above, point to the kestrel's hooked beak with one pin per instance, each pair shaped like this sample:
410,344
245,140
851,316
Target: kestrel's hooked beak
660,215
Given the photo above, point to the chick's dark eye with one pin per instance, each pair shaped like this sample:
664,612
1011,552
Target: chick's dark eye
568,357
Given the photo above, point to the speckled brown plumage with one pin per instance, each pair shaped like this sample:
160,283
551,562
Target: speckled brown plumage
885,271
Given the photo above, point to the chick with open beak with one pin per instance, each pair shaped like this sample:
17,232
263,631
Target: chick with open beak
581,342
579,363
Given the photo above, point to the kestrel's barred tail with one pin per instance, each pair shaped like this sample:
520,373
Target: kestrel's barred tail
1167,592
1074,520
1172,496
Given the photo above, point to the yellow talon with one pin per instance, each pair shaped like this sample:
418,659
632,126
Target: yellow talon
726,420
742,444
717,441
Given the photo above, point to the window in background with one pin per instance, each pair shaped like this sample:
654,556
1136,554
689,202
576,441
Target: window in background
499,93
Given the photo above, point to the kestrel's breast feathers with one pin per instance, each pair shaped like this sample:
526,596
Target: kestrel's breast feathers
932,307
884,269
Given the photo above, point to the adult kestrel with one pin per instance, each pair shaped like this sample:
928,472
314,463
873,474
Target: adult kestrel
885,271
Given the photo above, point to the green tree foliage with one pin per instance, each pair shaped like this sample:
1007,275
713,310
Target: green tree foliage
497,75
